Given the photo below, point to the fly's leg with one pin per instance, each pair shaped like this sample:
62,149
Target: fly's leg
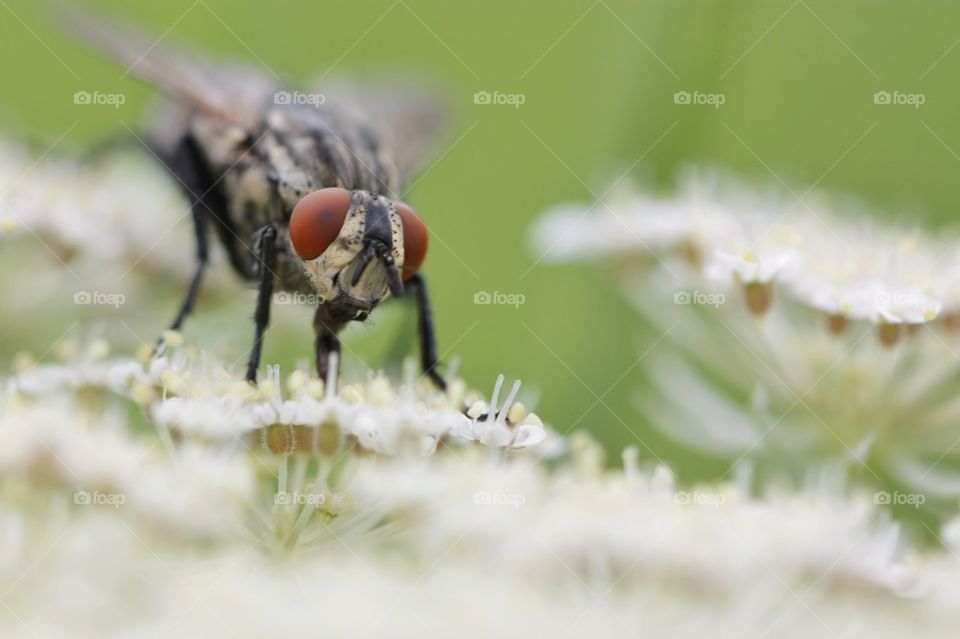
266,255
184,164
203,256
426,331
326,342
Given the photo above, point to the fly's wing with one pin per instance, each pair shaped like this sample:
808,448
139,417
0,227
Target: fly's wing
201,83
407,115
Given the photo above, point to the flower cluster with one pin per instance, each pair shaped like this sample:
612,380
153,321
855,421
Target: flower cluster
176,474
165,495
186,394
843,264
832,358
114,207
195,529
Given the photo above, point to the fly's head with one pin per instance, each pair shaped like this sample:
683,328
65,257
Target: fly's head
356,247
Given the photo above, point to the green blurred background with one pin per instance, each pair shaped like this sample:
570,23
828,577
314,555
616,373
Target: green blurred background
598,80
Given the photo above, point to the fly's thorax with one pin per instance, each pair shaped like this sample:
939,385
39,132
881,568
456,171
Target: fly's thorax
223,142
253,188
295,173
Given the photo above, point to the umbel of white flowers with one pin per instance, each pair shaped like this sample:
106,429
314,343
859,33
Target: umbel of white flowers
828,256
797,332
208,509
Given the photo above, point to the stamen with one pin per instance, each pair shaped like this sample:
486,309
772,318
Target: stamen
502,415
334,364
496,395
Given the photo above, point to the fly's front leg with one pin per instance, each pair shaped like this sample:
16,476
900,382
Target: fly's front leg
266,255
426,331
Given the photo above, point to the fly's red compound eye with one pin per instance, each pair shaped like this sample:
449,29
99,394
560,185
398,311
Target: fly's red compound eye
316,221
414,240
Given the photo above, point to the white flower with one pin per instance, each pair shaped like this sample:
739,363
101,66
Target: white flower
488,424
824,253
746,267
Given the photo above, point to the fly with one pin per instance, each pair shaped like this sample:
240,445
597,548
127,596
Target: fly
302,195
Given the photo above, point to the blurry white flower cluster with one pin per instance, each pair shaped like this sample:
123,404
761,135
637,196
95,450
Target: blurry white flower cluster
169,497
94,233
829,256
112,208
798,332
